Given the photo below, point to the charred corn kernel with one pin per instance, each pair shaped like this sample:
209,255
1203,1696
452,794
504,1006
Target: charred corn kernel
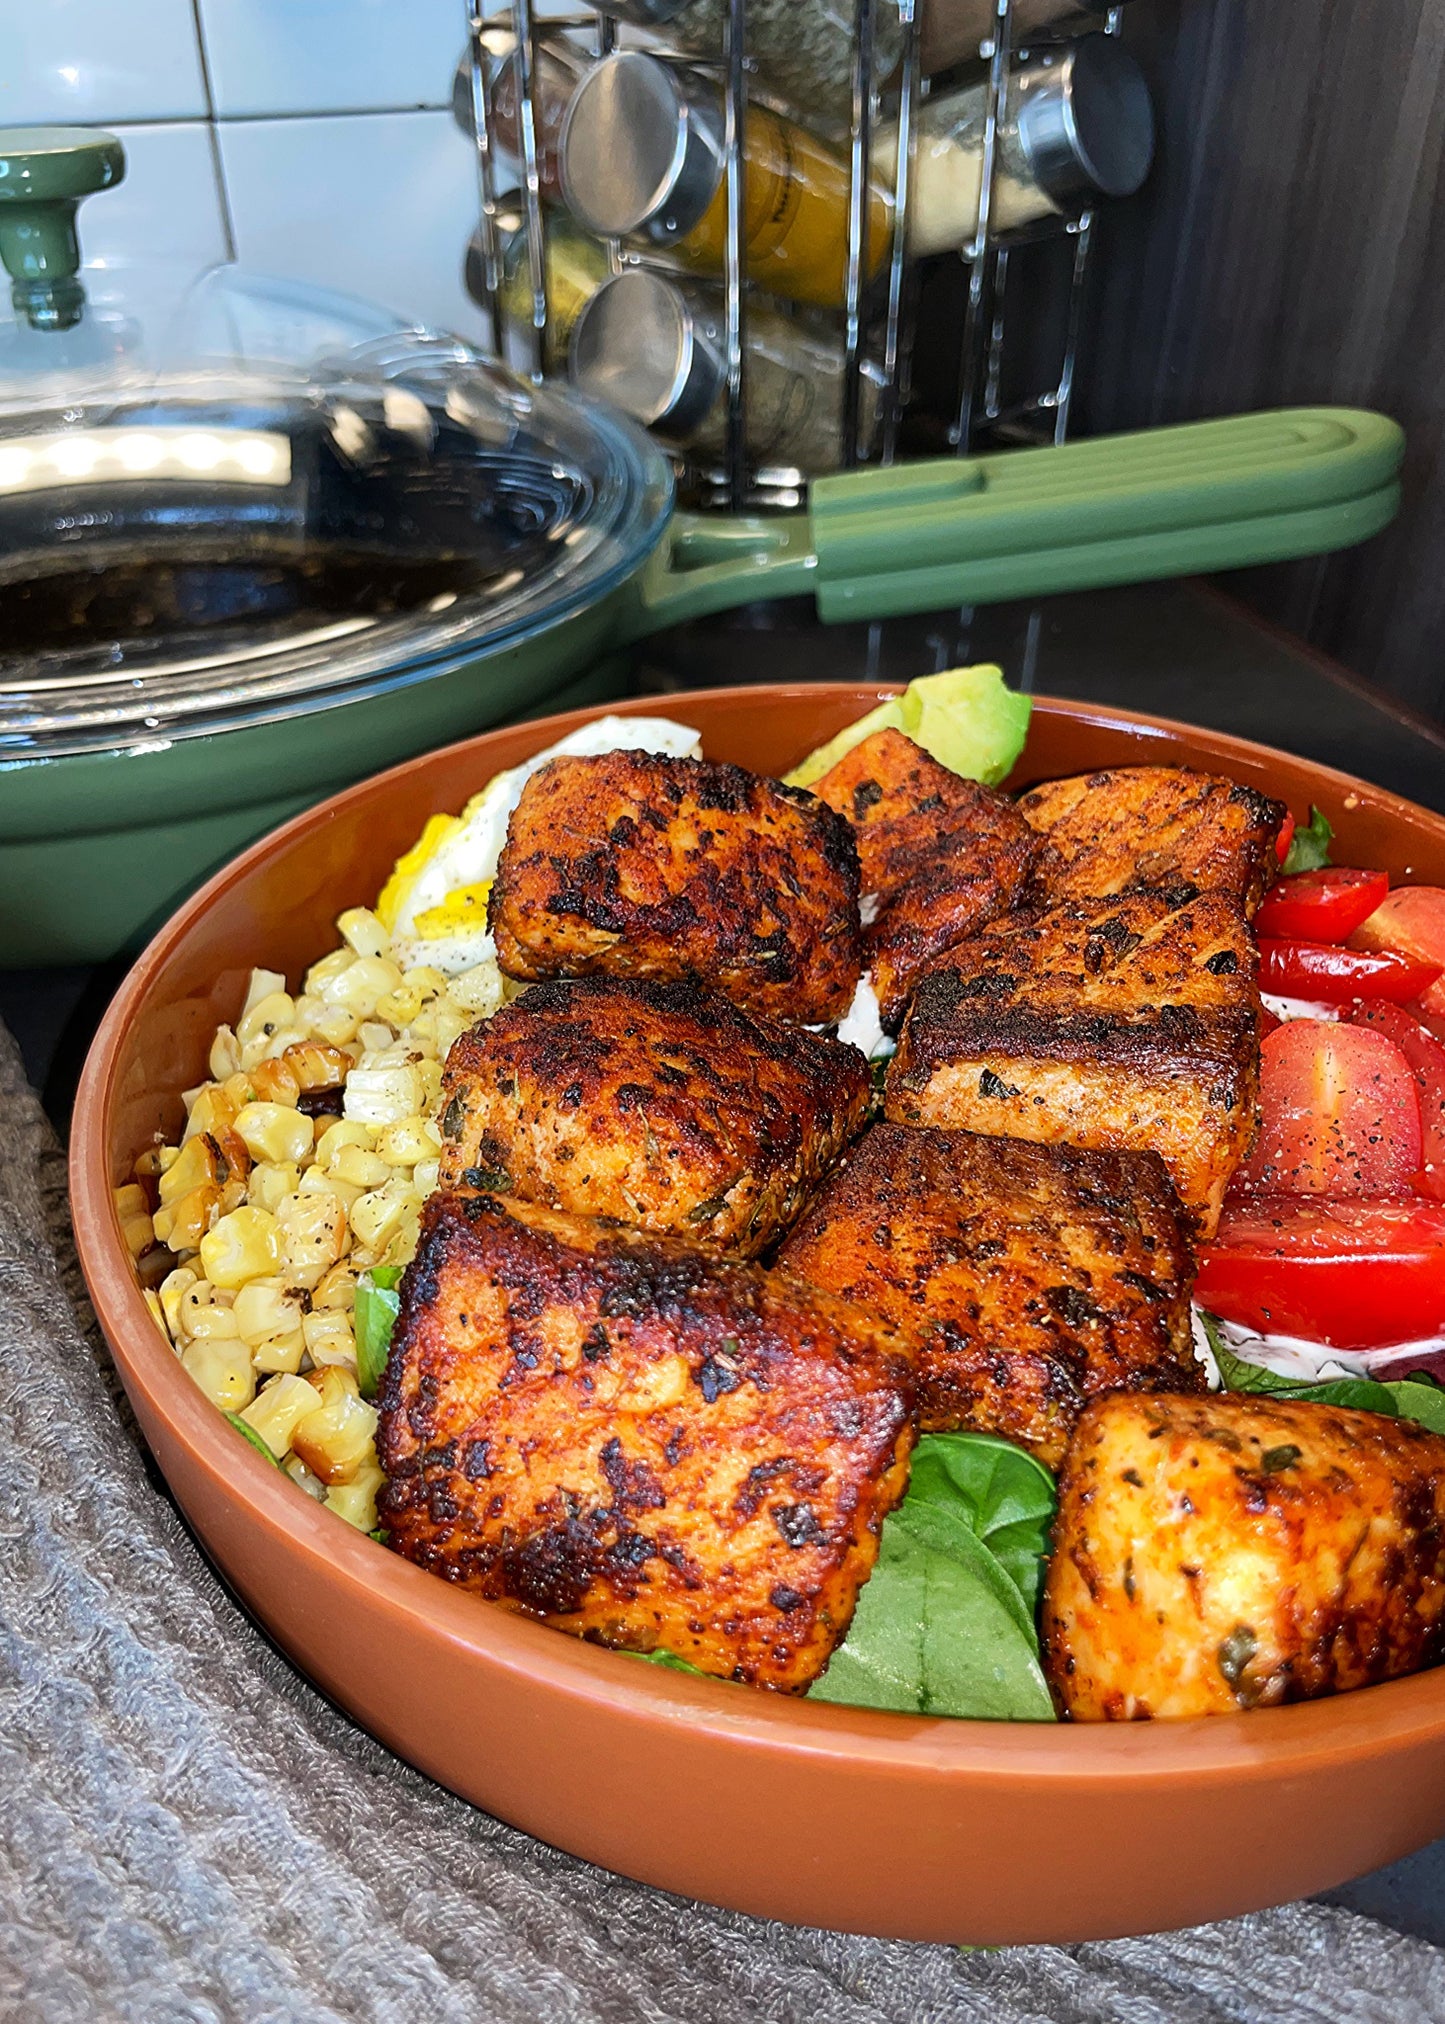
225,1056
181,1225
275,1082
359,1167
336,1290
131,1200
222,1368
302,1477
271,1131
362,931
384,1095
266,1307
356,1501
279,1352
199,1161
329,1338
267,1016
414,1138
175,1283
263,984
337,1437
313,1235
477,991
338,1135
270,1183
276,1408
139,1234
269,1046
315,1066
152,1163
211,1114
243,1245
358,987
377,1216
424,1176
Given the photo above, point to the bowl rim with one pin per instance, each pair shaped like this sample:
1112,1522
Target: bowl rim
1300,1738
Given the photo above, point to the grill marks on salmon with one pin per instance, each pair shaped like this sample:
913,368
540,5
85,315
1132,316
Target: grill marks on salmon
1129,828
1127,1024
637,1440
633,865
1022,1279
658,1104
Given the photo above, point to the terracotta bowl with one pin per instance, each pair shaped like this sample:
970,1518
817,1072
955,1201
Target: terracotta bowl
886,1824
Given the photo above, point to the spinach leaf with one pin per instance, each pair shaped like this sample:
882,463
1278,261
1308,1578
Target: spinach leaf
946,1624
377,1306
1412,1398
1309,848
673,1664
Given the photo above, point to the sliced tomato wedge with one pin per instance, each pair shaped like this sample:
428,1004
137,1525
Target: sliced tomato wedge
1337,976
1411,922
1426,1056
1320,906
1352,1275
1286,837
1340,1113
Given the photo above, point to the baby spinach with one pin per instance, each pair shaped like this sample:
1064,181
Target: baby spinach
946,1624
377,1306
1309,848
1412,1398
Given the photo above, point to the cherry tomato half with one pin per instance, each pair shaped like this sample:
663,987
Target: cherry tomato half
1320,906
1337,976
1340,1113
1426,1056
1286,837
1353,1275
1411,921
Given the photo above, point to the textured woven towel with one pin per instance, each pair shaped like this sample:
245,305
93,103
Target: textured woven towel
188,1831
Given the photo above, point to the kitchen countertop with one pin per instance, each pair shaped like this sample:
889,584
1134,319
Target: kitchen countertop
1179,649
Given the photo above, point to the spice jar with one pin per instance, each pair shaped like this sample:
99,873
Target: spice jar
1076,124
555,71
803,47
642,157
950,31
655,347
576,266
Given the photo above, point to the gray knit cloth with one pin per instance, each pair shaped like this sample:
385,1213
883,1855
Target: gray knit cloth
188,1831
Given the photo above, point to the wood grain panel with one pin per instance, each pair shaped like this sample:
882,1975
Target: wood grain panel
1290,247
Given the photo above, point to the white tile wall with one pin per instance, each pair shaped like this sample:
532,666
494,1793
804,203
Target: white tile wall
304,137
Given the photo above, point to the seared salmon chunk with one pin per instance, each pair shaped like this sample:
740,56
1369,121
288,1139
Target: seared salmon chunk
1023,1279
657,1104
1129,1024
638,1440
944,856
1214,1554
1136,826
639,866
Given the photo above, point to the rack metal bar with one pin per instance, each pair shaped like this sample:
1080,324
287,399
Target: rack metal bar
735,110
853,447
974,253
524,27
486,168
897,264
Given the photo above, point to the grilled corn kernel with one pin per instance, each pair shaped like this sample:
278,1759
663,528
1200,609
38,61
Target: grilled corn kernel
265,1307
276,1408
267,1016
212,1114
244,1245
270,1184
425,1175
315,1182
131,1200
222,1368
358,988
379,1045
338,1135
362,931
384,1095
225,1055
201,1301
270,1131
315,1066
477,991
359,1167
337,1437
336,1291
376,1217
238,1090
157,1311
181,1225
280,1352
415,1138
302,1477
313,1235
399,1007
275,1082
328,971
152,1163
175,1283
198,1162
263,984
139,1234
329,1338
356,1501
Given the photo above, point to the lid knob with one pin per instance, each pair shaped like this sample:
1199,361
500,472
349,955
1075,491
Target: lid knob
44,173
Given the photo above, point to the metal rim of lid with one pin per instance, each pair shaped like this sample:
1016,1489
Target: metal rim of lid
1086,122
641,345
636,152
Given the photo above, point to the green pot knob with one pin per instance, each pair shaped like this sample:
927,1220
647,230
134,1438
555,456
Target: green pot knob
44,173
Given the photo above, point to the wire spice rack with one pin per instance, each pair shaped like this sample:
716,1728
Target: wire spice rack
880,331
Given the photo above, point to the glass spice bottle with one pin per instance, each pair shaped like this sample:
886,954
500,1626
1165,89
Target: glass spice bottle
576,265
642,158
555,72
951,31
1077,124
655,346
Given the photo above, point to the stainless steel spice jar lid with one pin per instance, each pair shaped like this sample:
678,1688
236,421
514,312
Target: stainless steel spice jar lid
1085,121
641,150
649,347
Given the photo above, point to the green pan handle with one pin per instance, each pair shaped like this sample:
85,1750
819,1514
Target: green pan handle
1026,523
